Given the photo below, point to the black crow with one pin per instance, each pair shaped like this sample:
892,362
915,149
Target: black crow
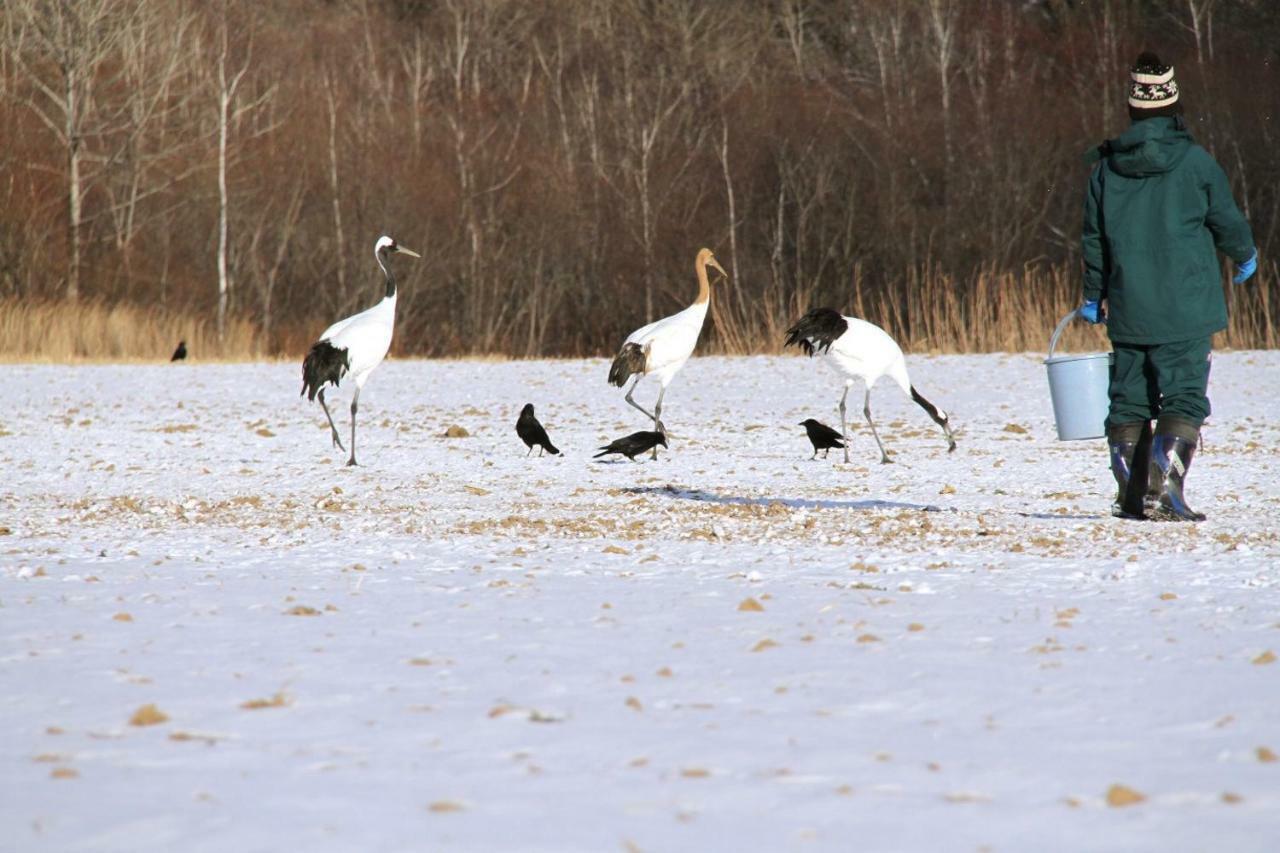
633,445
180,353
531,432
822,437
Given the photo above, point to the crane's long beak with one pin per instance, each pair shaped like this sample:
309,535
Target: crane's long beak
402,250
716,266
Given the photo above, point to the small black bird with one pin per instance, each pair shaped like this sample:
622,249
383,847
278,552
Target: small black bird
633,445
180,353
531,432
822,436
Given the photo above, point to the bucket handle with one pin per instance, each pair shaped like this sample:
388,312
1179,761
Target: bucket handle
1057,333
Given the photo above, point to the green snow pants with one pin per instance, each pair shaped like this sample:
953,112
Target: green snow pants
1150,380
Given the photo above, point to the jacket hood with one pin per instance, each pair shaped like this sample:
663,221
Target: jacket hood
1149,147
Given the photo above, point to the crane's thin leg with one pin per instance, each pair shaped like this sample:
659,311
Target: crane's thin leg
355,405
657,418
648,414
844,426
866,410
939,417
337,442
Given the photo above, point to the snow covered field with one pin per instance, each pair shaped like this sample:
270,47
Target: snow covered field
453,647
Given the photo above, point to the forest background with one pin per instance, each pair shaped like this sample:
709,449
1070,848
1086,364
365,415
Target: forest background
219,171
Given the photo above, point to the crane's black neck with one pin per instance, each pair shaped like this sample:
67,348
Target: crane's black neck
386,270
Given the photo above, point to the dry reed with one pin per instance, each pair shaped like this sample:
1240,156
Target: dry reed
93,331
928,311
991,311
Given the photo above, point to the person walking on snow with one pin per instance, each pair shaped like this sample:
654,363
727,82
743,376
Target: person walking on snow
1156,207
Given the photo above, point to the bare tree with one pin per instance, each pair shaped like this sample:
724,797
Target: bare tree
228,83
419,73
485,148
152,127
340,237
887,36
1200,24
942,29
62,50
279,225
232,60
656,137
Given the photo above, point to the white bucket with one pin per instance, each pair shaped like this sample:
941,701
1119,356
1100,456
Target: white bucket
1078,386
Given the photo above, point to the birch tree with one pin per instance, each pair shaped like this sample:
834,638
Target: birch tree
232,61
63,51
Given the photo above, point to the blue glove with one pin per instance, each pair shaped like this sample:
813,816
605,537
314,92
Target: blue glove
1247,269
1092,312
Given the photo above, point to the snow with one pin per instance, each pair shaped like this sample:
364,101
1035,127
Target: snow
455,647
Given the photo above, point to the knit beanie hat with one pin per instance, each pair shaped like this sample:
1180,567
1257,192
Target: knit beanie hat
1152,89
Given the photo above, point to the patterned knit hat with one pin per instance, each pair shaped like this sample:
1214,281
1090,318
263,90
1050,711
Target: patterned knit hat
1152,89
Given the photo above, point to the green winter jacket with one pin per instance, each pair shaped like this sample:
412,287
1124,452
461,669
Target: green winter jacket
1156,207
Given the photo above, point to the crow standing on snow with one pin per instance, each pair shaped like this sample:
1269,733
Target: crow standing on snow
531,432
822,437
633,445
180,353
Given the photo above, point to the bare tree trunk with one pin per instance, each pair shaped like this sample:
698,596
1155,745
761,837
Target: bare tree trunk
75,42
942,21
285,226
727,313
227,85
415,62
647,138
731,211
224,278
1201,27
887,32
794,23
73,186
1108,62
340,239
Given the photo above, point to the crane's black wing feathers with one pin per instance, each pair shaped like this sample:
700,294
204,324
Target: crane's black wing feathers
629,361
816,331
325,363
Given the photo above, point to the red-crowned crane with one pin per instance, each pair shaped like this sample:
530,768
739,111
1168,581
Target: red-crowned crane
355,345
856,349
661,348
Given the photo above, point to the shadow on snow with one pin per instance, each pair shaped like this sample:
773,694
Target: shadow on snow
794,503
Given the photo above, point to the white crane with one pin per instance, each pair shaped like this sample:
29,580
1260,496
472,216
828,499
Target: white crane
661,348
355,345
856,349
